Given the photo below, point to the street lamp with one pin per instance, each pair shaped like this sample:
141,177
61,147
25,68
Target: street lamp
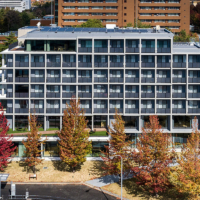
121,170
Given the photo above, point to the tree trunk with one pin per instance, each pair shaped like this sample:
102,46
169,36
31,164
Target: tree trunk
34,169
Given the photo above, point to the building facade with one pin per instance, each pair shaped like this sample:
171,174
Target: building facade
138,71
174,14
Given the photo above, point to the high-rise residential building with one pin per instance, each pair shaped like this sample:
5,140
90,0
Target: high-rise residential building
19,5
140,72
174,14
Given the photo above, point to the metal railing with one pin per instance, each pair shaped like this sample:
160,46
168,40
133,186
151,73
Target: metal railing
147,95
193,110
131,110
132,64
37,64
85,64
132,80
21,94
162,110
53,110
84,95
100,110
37,110
148,64
163,95
53,95
179,65
100,64
116,80
37,95
116,64
112,110
84,80
148,50
69,80
179,95
116,50
132,95
178,110
164,50
100,50
21,64
132,50
163,80
116,95
194,65
147,110
22,79
68,94
148,80
53,64
100,80
69,64
164,65
194,80
21,110
37,79
179,80
100,95
53,80
193,95
85,49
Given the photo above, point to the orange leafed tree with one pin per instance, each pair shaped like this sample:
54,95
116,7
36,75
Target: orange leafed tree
152,157
33,144
186,177
73,141
118,145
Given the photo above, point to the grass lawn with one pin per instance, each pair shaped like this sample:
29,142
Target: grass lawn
99,133
17,131
53,129
49,135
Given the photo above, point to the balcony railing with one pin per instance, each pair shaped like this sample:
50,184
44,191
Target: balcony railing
21,94
116,95
147,110
100,50
21,64
132,50
132,64
87,110
178,110
68,94
179,65
193,95
69,64
116,50
69,80
85,49
100,95
194,80
163,65
37,79
85,64
179,80
84,95
112,110
148,50
100,110
9,110
100,80
163,80
163,50
100,64
53,64
163,95
37,95
37,64
53,95
116,64
194,65
193,110
148,64
9,64
132,95
37,110
147,95
132,80
116,80
84,80
53,110
21,79
53,80
179,95
9,79
163,110
148,80
9,94
21,110
131,110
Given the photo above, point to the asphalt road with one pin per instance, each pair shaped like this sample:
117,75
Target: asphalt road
57,192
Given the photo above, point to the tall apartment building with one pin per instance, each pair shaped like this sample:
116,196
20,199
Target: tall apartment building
174,14
139,72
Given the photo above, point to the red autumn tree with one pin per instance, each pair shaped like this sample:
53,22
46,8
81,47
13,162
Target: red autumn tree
33,144
73,141
152,157
118,145
186,177
6,145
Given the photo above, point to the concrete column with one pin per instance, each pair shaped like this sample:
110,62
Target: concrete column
45,121
60,122
3,60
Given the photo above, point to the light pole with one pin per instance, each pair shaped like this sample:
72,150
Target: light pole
121,171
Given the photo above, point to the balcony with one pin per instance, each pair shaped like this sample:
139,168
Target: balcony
131,95
53,95
116,95
100,80
179,80
132,64
148,64
37,79
37,110
21,64
68,80
163,50
100,64
21,110
9,95
85,49
147,95
193,95
132,50
178,110
84,80
147,110
163,110
112,110
69,64
53,64
194,65
100,110
179,95
22,79
116,80
100,95
163,80
37,95
116,64
148,50
53,110
53,80
84,95
179,65
193,110
131,110
194,80
100,49
163,65
87,110
85,64
37,64
21,94
9,110
132,80
163,95
68,94
148,80
9,64
9,79
116,50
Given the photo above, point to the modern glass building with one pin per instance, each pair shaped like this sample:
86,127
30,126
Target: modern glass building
140,72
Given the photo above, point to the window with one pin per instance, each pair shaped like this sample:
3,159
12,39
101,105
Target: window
147,89
111,20
116,73
178,74
115,104
178,89
179,58
115,89
54,73
162,89
83,14
101,104
162,104
146,20
130,89
147,104
162,74
111,14
38,103
71,13
97,7
173,8
193,88
178,104
148,44
147,74
145,14
159,20
101,74
193,104
173,14
145,8
83,7
100,14
131,74
85,104
69,7
101,88
182,121
173,21
111,1
159,8
51,149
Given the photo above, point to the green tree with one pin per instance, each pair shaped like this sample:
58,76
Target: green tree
182,37
26,17
73,140
91,23
12,20
139,24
